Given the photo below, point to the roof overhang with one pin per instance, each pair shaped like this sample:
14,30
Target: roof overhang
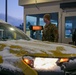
29,2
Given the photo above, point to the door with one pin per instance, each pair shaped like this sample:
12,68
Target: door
68,26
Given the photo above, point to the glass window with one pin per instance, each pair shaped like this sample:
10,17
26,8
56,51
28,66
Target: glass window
54,18
30,21
70,25
8,32
1,33
37,19
41,22
2,10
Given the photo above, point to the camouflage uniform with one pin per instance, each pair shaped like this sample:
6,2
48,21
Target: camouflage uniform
50,33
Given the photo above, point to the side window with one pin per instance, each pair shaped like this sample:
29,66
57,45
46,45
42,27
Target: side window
7,32
1,33
20,35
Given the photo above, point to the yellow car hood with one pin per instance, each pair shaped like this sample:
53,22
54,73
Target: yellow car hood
11,53
39,48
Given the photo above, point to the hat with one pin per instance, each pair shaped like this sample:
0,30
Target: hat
47,16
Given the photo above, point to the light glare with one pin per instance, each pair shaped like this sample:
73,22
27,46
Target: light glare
26,60
45,63
12,29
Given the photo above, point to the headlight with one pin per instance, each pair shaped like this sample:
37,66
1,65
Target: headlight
28,60
47,64
62,60
41,63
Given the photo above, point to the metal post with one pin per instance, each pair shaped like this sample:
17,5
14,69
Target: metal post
6,10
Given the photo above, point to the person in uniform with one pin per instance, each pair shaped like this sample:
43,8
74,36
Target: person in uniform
50,31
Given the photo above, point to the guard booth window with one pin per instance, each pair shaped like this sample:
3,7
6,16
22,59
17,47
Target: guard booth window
37,19
70,25
30,21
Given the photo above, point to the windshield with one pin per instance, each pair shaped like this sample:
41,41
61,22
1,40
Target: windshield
8,32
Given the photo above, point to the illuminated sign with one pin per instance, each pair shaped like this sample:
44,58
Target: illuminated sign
36,28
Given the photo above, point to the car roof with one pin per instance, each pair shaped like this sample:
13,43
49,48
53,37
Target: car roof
1,21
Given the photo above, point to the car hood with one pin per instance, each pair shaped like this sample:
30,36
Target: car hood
11,52
39,48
